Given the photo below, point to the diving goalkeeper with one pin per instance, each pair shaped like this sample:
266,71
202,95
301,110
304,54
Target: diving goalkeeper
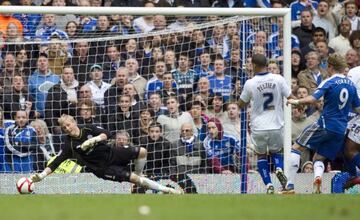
87,145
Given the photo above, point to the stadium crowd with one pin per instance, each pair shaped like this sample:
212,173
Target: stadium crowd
174,93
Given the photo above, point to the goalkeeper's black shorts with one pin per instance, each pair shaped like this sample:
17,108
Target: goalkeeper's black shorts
117,166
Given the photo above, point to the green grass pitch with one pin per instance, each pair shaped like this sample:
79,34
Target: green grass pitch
183,207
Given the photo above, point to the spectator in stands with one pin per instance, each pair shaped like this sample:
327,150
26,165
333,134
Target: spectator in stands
131,50
273,67
296,64
57,56
134,78
159,22
235,67
168,89
7,72
151,57
180,23
205,68
21,145
321,19
352,58
302,92
318,34
304,32
199,45
276,38
45,143
86,21
156,105
112,62
323,49
196,112
219,82
4,167
235,94
12,34
141,129
185,78
158,151
351,9
129,89
28,21
87,113
220,148
216,107
97,85
60,98
173,121
40,82
86,94
124,117
188,152
204,88
231,122
48,28
116,89
313,75
144,24
299,6
294,85
307,167
17,99
341,43
258,38
170,60
217,42
23,63
355,41
72,29
156,82
81,61
5,19
62,20
124,26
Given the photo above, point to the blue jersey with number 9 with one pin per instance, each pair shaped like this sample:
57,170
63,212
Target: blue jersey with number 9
339,97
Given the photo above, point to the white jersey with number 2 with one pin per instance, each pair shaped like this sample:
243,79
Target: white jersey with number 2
265,92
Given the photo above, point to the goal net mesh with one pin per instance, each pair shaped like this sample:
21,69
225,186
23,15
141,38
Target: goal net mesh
126,74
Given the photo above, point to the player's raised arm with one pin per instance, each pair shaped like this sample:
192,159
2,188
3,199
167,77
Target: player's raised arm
307,100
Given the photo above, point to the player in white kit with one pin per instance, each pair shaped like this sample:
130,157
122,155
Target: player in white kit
265,93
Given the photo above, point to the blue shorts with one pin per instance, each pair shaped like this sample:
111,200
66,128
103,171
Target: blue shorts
322,141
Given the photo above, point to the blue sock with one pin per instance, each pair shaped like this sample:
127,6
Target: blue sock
356,160
263,167
350,167
278,160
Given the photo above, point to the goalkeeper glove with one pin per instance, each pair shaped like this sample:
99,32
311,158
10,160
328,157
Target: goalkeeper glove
88,144
37,177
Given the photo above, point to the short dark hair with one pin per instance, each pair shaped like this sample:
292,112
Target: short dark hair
259,60
155,125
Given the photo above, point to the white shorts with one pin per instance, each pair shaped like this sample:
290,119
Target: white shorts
272,140
354,129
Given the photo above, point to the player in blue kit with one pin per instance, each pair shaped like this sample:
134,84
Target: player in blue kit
326,135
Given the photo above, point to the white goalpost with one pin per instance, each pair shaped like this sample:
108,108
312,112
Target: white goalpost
99,45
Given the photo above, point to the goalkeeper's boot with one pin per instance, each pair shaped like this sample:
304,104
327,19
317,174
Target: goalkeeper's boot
270,189
352,181
281,177
289,189
317,185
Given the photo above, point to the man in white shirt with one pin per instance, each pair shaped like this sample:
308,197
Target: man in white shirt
265,91
97,85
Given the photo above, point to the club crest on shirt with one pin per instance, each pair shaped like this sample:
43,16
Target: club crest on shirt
89,136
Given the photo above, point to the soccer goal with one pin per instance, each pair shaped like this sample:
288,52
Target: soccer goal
127,69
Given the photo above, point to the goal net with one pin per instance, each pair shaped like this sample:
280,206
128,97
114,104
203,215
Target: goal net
158,81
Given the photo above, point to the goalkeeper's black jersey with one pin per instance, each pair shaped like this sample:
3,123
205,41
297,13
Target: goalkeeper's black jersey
94,158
